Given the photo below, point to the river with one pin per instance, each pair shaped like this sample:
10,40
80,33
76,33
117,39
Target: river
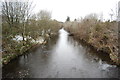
62,57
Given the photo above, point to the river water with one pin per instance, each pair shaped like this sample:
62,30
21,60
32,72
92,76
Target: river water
62,57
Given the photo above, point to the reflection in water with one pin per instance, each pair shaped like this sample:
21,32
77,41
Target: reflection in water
64,58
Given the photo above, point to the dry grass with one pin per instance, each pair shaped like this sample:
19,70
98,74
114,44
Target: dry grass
101,35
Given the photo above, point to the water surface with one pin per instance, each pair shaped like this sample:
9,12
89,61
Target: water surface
62,57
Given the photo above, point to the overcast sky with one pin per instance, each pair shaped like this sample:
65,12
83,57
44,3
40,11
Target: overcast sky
75,8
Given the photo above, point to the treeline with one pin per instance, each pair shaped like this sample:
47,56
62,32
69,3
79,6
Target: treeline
103,36
21,29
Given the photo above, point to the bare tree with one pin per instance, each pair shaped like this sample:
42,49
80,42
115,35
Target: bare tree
44,15
16,14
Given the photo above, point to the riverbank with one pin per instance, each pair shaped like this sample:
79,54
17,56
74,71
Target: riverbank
99,35
101,53
19,39
23,50
112,58
11,56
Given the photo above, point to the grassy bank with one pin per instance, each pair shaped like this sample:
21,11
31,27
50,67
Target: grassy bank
103,36
22,28
14,49
37,32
